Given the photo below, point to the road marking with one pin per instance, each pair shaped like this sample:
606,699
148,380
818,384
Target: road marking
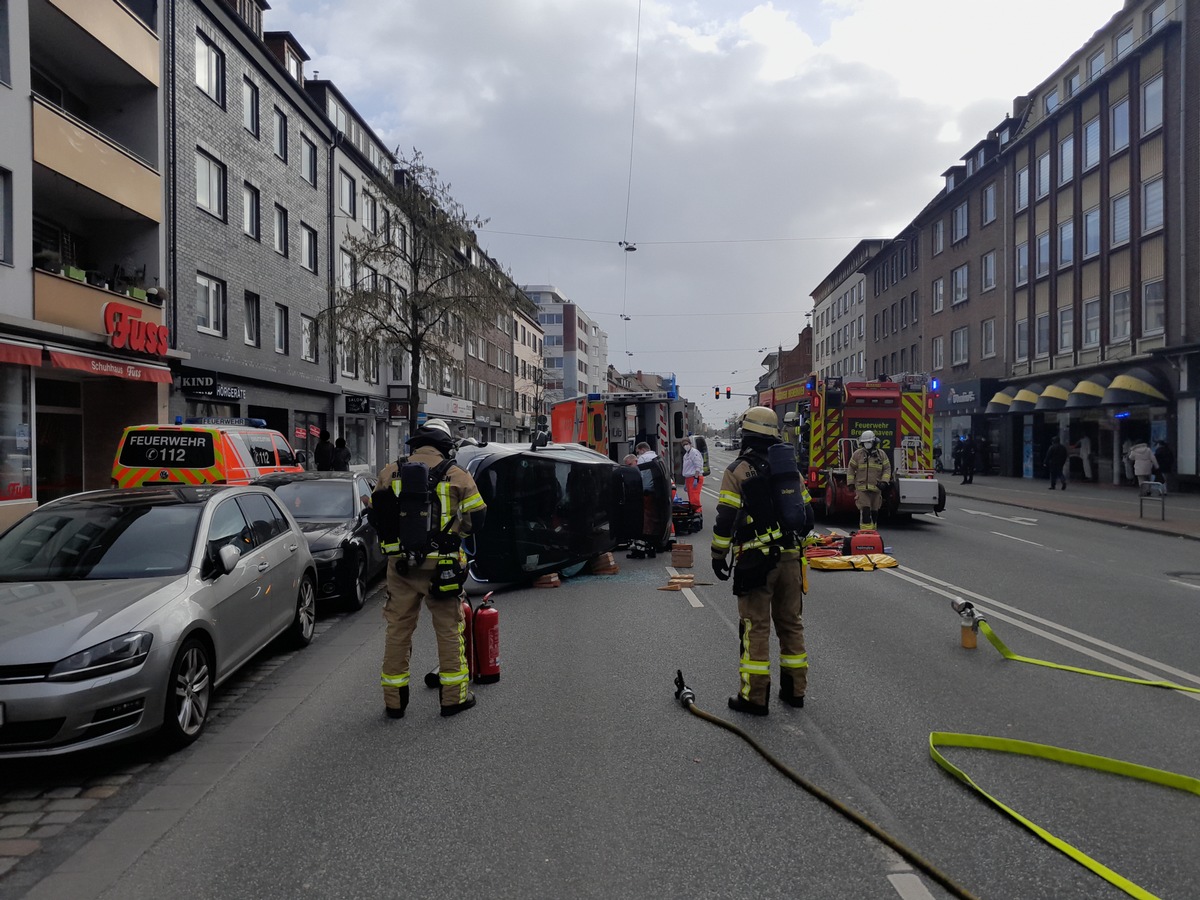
1020,520
687,592
909,886
1187,584
951,591
1023,541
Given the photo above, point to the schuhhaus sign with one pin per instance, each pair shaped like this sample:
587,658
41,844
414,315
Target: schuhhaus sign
127,330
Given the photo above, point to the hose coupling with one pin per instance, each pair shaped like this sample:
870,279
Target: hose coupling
683,693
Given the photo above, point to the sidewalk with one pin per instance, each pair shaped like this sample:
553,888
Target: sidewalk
1115,505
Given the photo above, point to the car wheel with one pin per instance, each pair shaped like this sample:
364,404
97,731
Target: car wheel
304,625
189,689
355,596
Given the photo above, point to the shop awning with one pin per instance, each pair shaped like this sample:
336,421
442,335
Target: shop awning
107,365
1026,398
1136,386
1055,396
1088,392
20,354
1001,401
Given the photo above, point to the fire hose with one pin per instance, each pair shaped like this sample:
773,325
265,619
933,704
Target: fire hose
687,699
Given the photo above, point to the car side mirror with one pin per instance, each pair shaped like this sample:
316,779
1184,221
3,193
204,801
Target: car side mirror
227,559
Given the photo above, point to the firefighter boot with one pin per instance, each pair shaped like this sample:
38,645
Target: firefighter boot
456,708
742,705
397,712
787,691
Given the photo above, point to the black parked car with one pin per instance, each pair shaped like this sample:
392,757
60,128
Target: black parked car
331,510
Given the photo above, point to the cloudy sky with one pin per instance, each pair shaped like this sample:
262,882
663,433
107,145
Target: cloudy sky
742,147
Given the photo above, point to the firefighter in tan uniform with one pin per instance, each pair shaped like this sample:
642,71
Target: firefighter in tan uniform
870,471
434,572
767,567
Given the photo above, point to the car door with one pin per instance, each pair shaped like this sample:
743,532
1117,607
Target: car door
277,547
363,529
235,602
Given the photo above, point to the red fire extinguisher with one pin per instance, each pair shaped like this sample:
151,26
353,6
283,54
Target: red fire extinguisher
486,623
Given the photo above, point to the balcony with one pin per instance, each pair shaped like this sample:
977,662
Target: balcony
104,41
73,303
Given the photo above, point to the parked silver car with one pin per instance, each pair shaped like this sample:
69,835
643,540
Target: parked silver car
121,611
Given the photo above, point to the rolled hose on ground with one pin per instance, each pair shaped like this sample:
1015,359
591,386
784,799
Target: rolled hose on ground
687,699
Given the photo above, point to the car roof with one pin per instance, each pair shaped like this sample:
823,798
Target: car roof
198,426
276,479
158,495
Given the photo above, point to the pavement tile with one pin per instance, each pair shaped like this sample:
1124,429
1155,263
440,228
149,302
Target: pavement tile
101,792
47,831
108,779
13,819
60,818
63,793
20,806
22,794
7,862
19,847
76,804
13,831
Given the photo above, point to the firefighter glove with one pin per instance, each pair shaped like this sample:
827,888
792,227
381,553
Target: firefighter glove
720,567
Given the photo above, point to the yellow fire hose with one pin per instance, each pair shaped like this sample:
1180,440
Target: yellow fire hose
1056,754
687,700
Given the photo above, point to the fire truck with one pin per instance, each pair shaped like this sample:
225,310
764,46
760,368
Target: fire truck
613,423
900,412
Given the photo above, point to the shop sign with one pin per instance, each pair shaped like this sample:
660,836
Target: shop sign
449,407
127,330
300,433
397,410
314,430
229,392
202,384
357,404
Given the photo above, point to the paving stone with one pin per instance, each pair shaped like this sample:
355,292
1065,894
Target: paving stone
60,818
101,792
21,794
29,818
63,793
109,779
47,831
7,862
20,806
13,831
77,804
19,847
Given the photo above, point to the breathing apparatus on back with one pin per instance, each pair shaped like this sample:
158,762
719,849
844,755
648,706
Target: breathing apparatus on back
404,511
775,495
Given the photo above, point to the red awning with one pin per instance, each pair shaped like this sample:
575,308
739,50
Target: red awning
103,365
21,354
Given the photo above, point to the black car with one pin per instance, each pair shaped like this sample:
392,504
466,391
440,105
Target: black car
331,510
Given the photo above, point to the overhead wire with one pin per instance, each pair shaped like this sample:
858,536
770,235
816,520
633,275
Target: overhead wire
625,245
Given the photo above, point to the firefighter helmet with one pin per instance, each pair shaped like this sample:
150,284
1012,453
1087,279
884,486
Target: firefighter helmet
437,425
867,439
761,420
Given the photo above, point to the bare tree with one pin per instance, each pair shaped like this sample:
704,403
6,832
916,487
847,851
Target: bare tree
419,281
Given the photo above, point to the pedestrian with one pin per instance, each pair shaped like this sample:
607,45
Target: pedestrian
1085,455
647,544
956,457
693,473
630,460
1166,459
434,572
870,472
1126,446
341,456
323,453
768,578
1056,462
966,459
1143,461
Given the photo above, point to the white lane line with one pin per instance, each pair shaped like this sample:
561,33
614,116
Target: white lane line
958,591
1023,541
1186,584
909,887
1019,520
687,592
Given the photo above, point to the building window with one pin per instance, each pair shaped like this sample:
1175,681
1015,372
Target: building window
348,354
1043,254
1120,219
1022,188
959,284
959,351
937,290
1091,232
987,338
210,305
1118,316
913,300
1041,335
1152,105
210,69
281,329
347,271
937,353
1022,261
1119,137
210,185
938,237
1051,101
347,193
1066,329
281,137
958,224
370,214
1152,205
1091,322
987,203
1043,175
1156,17
1124,43
1154,307
294,66
308,247
250,106
1066,244
281,230
371,365
250,317
1095,65
308,338
1072,83
6,216
250,211
308,160
987,268
1091,144
1022,340
1066,159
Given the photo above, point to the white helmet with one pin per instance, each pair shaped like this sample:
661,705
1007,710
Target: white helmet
867,439
437,425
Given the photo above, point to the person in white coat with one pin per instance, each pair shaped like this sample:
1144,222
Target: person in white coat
1144,462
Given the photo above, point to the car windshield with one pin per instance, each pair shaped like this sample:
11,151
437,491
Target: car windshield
98,541
318,499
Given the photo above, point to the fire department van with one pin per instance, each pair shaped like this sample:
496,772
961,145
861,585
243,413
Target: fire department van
201,451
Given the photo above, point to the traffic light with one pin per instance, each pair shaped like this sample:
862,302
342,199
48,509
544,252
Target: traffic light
728,393
716,393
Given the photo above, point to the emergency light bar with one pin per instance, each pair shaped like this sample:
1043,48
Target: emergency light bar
635,396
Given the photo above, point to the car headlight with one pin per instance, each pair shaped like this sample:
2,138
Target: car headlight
328,555
122,652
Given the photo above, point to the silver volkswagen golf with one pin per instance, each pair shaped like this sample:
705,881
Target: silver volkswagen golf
121,611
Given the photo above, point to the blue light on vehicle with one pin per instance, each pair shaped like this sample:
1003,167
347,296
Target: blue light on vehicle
933,384
593,396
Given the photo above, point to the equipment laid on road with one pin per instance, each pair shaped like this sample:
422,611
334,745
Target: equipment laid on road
862,542
481,634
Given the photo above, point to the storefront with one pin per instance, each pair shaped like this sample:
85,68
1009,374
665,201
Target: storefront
364,426
959,414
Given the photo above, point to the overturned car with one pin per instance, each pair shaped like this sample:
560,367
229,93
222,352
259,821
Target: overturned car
552,508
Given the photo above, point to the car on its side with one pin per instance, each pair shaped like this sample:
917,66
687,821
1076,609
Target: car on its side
331,510
122,610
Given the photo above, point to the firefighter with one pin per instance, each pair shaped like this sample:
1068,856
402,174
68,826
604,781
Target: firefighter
767,568
434,572
870,472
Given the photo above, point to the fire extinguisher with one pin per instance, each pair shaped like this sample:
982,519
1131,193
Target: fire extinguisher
486,622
